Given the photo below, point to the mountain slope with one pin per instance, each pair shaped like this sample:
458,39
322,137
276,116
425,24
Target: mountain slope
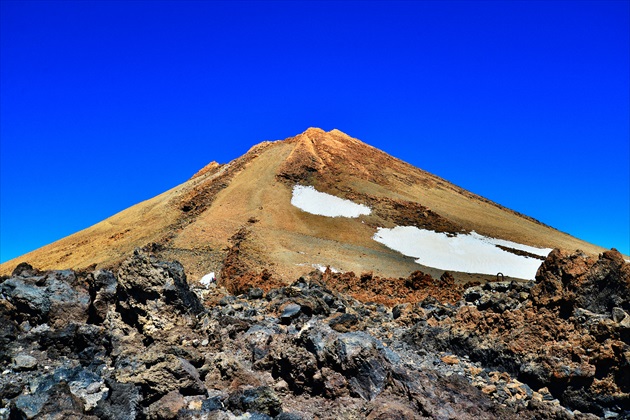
238,217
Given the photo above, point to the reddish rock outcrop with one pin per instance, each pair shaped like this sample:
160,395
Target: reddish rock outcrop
568,333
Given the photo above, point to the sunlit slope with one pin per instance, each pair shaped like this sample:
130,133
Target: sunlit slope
277,236
247,204
350,163
106,241
281,237
111,239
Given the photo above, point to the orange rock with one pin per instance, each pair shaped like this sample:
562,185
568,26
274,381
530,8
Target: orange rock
475,370
490,389
450,359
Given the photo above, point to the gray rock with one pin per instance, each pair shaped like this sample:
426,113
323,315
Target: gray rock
90,395
28,298
498,286
618,314
262,400
587,317
255,293
259,339
30,405
66,303
259,416
363,363
166,373
290,312
162,356
25,362
123,402
93,388
50,403
212,404
78,376
485,301
227,300
143,278
103,285
48,298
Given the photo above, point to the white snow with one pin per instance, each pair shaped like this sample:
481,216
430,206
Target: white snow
320,267
312,201
470,253
208,279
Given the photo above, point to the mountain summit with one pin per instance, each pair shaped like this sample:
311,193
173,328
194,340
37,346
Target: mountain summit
319,199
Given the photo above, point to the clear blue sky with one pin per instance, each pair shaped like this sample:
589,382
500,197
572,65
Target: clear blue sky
105,104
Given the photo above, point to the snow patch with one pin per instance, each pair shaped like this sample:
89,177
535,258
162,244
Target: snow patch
208,279
320,267
312,201
470,253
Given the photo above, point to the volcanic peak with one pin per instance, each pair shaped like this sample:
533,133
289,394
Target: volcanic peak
196,221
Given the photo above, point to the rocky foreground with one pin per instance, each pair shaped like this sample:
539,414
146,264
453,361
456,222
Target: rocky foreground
143,343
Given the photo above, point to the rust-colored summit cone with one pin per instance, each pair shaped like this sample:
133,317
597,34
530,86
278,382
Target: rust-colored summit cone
238,218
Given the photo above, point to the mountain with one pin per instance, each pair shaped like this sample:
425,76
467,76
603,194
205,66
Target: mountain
426,328
242,217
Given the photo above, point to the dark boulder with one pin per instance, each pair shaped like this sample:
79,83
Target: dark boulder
344,323
24,269
123,402
55,297
103,291
262,400
29,299
290,312
143,278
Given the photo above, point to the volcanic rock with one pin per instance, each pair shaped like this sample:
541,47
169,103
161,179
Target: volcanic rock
143,343
25,362
562,339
